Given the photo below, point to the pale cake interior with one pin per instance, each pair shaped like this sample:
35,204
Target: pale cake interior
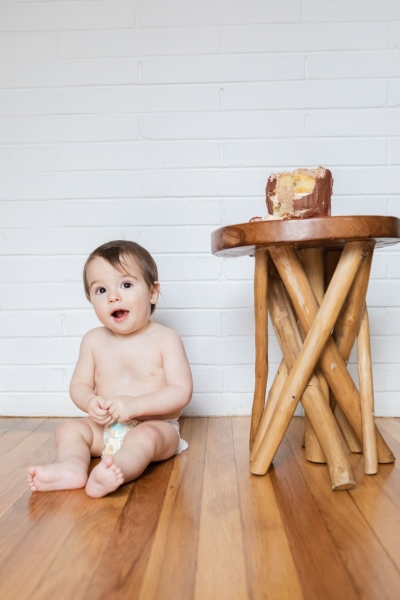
290,187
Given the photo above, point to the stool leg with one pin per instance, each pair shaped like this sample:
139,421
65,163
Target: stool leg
348,323
345,333
314,268
313,400
332,364
367,397
314,343
261,337
331,260
273,397
352,441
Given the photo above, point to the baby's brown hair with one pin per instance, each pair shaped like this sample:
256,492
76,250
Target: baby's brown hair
114,253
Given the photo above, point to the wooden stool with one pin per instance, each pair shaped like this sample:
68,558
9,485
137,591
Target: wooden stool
295,262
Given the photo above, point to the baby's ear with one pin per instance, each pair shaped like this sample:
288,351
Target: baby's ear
155,292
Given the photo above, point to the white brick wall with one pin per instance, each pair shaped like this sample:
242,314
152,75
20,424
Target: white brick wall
159,122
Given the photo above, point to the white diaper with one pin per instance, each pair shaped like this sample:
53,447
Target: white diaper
114,434
182,443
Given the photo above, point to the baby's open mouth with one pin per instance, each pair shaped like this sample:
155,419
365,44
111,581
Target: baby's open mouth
117,314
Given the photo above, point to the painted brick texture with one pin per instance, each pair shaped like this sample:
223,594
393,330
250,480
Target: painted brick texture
159,122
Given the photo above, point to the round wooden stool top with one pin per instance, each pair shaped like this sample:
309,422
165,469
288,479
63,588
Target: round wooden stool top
330,232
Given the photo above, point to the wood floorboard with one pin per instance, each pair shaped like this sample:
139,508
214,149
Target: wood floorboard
176,540
391,426
394,445
130,544
14,435
26,509
389,475
8,424
270,568
83,546
221,570
13,468
199,526
380,512
313,548
371,570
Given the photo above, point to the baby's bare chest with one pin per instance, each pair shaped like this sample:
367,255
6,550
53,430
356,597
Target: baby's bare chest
128,365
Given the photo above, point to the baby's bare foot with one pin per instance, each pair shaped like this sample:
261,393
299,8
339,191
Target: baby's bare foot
58,476
104,479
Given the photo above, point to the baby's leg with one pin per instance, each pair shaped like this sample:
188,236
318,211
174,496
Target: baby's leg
76,441
147,442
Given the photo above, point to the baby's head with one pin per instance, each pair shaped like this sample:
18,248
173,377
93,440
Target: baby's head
116,253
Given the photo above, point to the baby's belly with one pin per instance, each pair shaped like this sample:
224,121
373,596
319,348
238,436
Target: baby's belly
108,391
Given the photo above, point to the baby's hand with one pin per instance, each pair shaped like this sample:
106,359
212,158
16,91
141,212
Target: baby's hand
98,412
120,408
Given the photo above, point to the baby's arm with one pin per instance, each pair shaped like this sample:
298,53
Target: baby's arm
82,385
169,399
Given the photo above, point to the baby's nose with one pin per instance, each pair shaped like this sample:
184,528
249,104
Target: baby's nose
113,296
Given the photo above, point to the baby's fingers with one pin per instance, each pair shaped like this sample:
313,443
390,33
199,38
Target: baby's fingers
104,414
101,412
103,420
114,413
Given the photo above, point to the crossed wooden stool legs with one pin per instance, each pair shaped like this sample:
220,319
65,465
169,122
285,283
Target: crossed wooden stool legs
313,369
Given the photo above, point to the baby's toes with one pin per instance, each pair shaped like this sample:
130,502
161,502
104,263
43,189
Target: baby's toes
31,472
118,473
31,477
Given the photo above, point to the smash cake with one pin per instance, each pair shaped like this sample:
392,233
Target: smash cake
302,194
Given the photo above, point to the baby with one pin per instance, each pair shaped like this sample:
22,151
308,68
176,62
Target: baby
132,378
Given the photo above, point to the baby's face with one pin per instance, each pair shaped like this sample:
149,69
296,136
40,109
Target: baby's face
121,299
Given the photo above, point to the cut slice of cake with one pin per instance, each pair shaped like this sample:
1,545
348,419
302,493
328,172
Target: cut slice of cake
301,194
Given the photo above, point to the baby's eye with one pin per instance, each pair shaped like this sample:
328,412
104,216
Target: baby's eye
101,290
127,285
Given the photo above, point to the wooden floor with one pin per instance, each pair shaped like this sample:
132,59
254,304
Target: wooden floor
199,526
